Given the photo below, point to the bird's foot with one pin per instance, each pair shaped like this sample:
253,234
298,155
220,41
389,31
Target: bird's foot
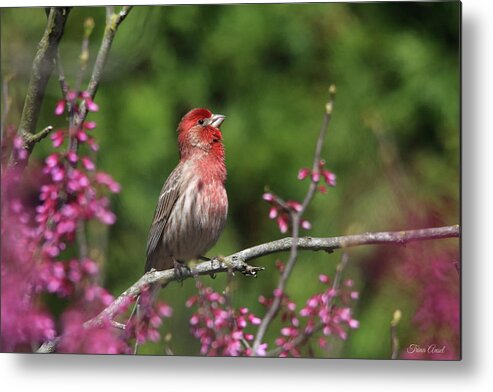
181,270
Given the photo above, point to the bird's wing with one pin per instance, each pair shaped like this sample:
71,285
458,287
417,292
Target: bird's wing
167,199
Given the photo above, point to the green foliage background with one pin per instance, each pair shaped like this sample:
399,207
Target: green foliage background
393,142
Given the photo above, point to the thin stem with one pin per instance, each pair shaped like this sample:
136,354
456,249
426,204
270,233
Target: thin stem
295,221
394,340
61,75
112,23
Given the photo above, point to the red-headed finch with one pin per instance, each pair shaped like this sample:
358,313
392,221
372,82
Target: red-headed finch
192,206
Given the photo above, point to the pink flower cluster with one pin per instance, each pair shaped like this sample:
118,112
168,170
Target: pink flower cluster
72,195
222,331
281,211
63,278
78,338
320,313
24,321
327,175
73,100
35,237
146,326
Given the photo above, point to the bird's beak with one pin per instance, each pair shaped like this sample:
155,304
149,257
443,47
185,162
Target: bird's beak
217,120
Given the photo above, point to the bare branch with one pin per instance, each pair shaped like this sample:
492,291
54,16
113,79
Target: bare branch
236,262
42,68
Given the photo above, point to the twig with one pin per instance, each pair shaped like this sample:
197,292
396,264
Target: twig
61,75
237,262
6,102
394,340
295,220
31,139
112,23
42,68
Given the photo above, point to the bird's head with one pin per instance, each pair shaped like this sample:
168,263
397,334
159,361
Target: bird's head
199,129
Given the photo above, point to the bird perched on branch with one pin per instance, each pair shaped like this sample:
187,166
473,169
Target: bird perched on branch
192,206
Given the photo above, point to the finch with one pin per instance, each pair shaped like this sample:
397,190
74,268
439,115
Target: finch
192,206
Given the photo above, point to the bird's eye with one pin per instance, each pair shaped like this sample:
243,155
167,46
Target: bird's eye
201,121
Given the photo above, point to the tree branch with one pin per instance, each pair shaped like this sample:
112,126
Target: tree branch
329,244
43,65
237,262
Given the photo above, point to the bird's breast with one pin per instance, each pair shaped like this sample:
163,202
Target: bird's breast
197,219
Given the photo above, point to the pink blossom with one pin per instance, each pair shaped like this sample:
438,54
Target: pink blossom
52,160
91,106
165,310
254,320
88,164
278,293
58,137
296,206
92,144
60,107
282,221
81,136
305,224
57,174
353,323
90,267
323,278
89,125
330,178
303,173
262,350
72,157
105,179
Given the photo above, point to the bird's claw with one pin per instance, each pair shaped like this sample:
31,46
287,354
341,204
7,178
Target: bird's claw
181,270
